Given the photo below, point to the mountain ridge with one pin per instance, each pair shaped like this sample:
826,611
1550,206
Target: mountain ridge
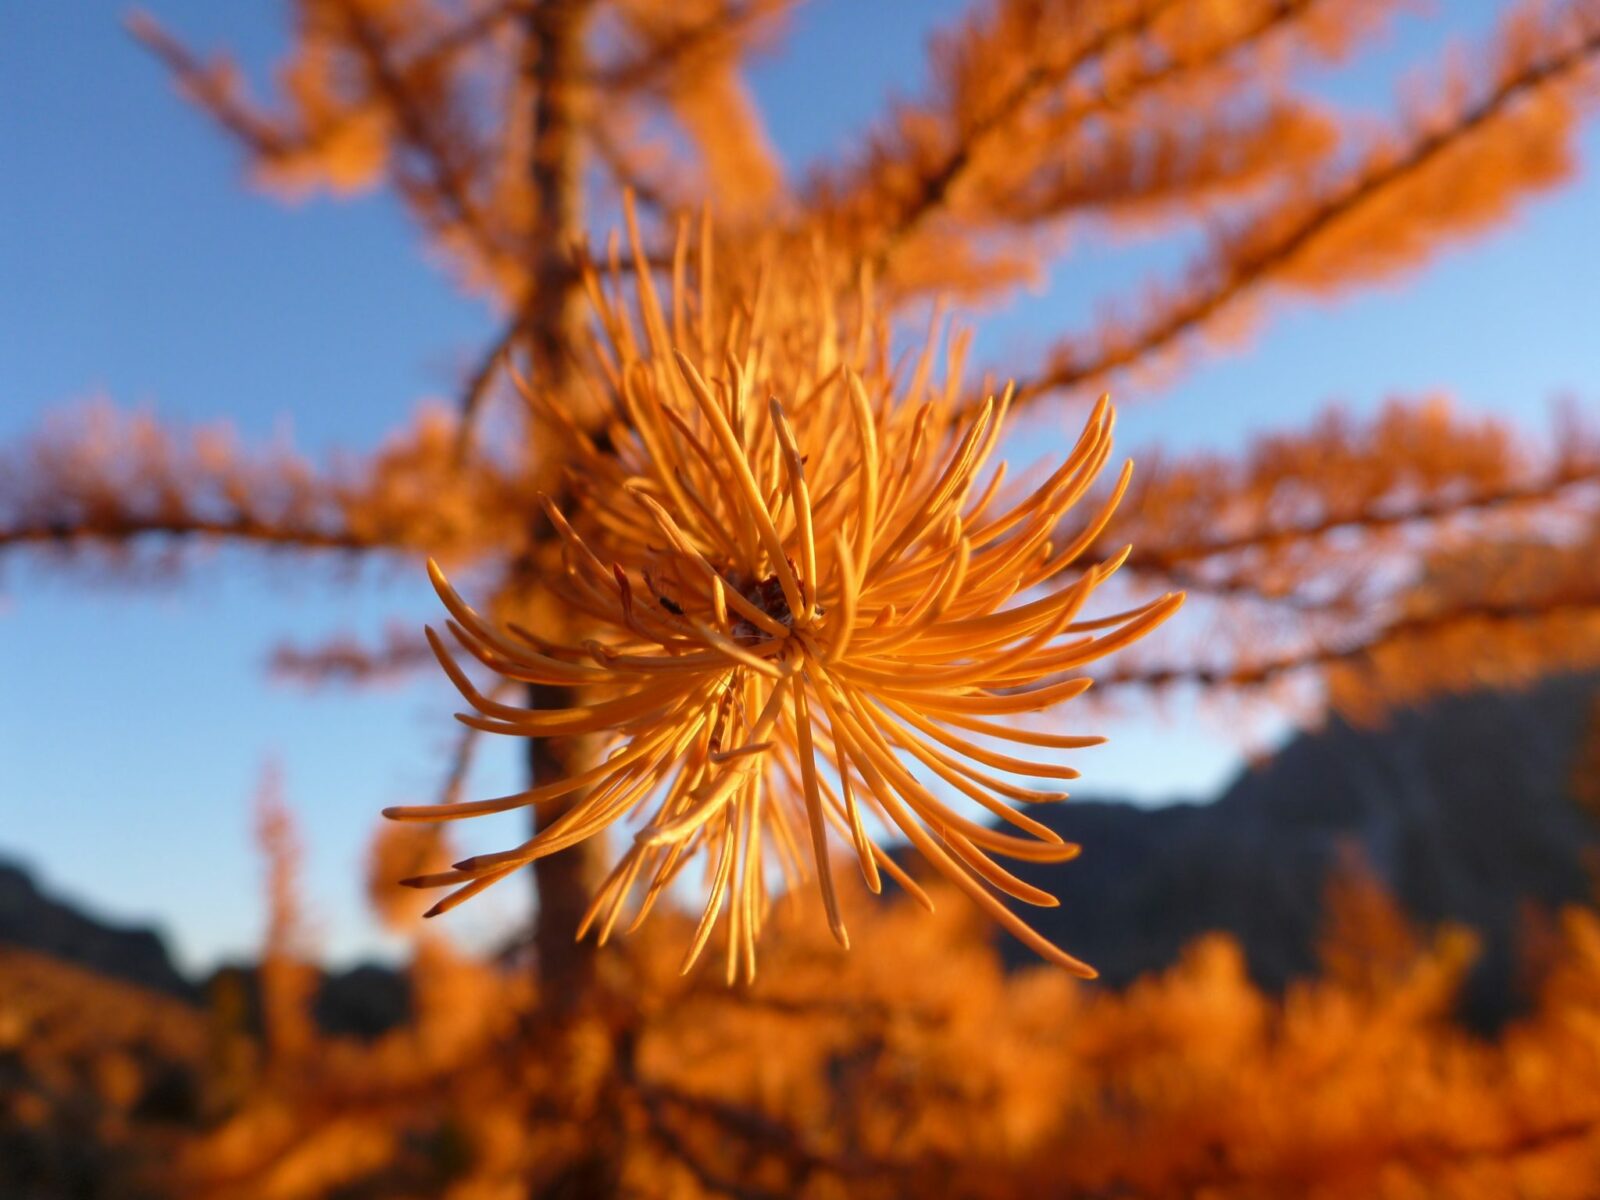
1463,809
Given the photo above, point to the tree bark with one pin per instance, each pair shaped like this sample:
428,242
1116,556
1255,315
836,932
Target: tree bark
552,319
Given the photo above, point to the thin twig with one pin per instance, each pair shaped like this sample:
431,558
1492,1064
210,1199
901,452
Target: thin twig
472,397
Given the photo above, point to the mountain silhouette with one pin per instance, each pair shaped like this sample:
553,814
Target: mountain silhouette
363,1000
1465,810
31,920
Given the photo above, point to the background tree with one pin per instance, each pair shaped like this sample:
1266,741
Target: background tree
1358,557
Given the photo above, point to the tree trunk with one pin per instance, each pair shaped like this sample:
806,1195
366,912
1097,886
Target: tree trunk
571,1012
562,882
555,61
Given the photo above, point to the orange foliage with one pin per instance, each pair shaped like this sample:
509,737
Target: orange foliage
916,1066
97,477
1382,561
287,977
398,851
1372,554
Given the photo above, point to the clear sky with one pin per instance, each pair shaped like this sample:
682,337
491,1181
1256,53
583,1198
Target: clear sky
135,265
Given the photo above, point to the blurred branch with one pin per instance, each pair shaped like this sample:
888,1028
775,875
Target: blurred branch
1427,1154
466,746
479,382
628,175
726,22
105,476
762,1134
1162,560
704,1173
1238,585
472,29
208,84
446,178
1403,630
935,188
1528,1141
1232,276
446,186
127,527
343,659
856,1011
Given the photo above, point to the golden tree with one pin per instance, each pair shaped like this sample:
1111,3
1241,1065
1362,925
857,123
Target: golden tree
1364,556
918,1066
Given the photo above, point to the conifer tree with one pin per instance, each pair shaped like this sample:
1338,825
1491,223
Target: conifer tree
511,130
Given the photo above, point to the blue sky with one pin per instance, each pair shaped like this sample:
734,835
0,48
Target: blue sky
134,264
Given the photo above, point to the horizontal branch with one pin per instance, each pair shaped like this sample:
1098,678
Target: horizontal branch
1427,1158
100,476
1161,560
1404,629
344,659
1234,279
1238,585
119,528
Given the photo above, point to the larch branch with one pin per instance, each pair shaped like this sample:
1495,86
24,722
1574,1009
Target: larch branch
647,69
206,84
937,186
763,1134
1410,628
1241,276
445,176
124,528
627,175
1158,559
472,29
479,382
345,659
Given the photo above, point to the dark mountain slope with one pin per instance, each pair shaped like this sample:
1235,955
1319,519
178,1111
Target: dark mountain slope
1464,810
362,1000
34,921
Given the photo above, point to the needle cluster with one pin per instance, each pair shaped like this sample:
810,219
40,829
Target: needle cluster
809,607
